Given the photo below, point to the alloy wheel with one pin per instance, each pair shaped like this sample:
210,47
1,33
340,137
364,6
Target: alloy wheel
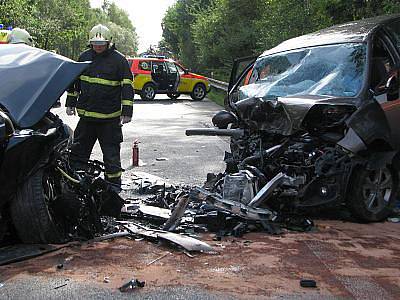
377,189
149,92
199,92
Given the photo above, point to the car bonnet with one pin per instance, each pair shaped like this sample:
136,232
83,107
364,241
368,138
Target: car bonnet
31,81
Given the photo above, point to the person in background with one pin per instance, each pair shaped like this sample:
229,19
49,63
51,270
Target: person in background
20,36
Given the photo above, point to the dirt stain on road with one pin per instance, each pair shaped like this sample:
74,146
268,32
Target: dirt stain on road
346,260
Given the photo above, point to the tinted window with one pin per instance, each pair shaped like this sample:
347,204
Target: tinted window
171,67
394,29
158,66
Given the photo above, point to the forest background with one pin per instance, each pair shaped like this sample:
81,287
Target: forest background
204,35
207,35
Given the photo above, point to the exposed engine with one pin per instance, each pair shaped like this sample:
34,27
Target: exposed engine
312,168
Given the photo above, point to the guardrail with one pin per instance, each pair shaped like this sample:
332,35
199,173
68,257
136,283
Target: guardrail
221,85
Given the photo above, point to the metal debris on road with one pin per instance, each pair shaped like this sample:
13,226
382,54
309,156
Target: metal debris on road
60,286
158,258
132,285
186,242
308,283
394,220
106,279
161,159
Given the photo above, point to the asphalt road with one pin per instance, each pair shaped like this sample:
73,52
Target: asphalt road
164,149
347,260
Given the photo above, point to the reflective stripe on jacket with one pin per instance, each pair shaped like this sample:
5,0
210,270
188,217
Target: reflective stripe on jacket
105,89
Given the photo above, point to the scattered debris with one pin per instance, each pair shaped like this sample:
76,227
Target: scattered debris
60,286
21,252
186,242
188,254
1,285
106,279
394,220
308,283
159,258
161,159
110,236
60,266
132,285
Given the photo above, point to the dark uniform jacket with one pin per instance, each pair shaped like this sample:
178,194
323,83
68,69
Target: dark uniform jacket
104,90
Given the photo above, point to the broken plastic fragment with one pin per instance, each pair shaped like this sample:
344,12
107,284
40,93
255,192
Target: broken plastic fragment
132,285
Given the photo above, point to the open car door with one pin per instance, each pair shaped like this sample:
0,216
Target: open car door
240,75
159,74
173,76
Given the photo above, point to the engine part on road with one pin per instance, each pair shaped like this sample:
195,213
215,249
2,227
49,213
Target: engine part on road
132,285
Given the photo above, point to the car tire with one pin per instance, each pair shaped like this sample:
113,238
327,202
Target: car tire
199,92
173,95
30,213
372,194
148,91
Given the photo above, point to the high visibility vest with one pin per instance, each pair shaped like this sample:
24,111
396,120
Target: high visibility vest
4,36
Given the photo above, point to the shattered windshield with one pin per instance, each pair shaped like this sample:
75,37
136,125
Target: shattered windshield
336,70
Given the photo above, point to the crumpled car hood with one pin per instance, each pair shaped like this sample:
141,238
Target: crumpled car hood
32,80
283,115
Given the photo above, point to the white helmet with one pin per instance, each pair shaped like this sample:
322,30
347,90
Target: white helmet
20,36
99,35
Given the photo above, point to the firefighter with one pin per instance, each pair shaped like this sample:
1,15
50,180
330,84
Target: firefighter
20,36
103,98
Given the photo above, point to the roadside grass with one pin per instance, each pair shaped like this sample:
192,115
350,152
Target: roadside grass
217,96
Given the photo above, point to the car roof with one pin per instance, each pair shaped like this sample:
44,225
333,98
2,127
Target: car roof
151,59
351,32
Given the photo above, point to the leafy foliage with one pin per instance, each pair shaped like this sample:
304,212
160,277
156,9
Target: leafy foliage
63,25
206,35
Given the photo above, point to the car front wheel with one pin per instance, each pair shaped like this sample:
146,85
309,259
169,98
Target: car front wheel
30,211
372,193
199,92
148,92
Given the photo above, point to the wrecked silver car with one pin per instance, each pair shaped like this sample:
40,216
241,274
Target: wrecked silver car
314,121
42,199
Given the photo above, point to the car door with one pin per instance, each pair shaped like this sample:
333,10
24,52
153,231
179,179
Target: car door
184,80
159,74
173,76
391,107
240,75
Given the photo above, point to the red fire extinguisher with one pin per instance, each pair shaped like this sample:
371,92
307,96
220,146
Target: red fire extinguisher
135,153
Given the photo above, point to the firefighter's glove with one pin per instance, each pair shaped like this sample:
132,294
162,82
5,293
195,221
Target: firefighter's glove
71,111
126,119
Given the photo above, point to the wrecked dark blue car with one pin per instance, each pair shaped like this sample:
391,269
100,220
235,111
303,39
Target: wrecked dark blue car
313,122
41,198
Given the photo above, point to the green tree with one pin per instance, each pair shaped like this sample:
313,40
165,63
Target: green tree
63,25
177,31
